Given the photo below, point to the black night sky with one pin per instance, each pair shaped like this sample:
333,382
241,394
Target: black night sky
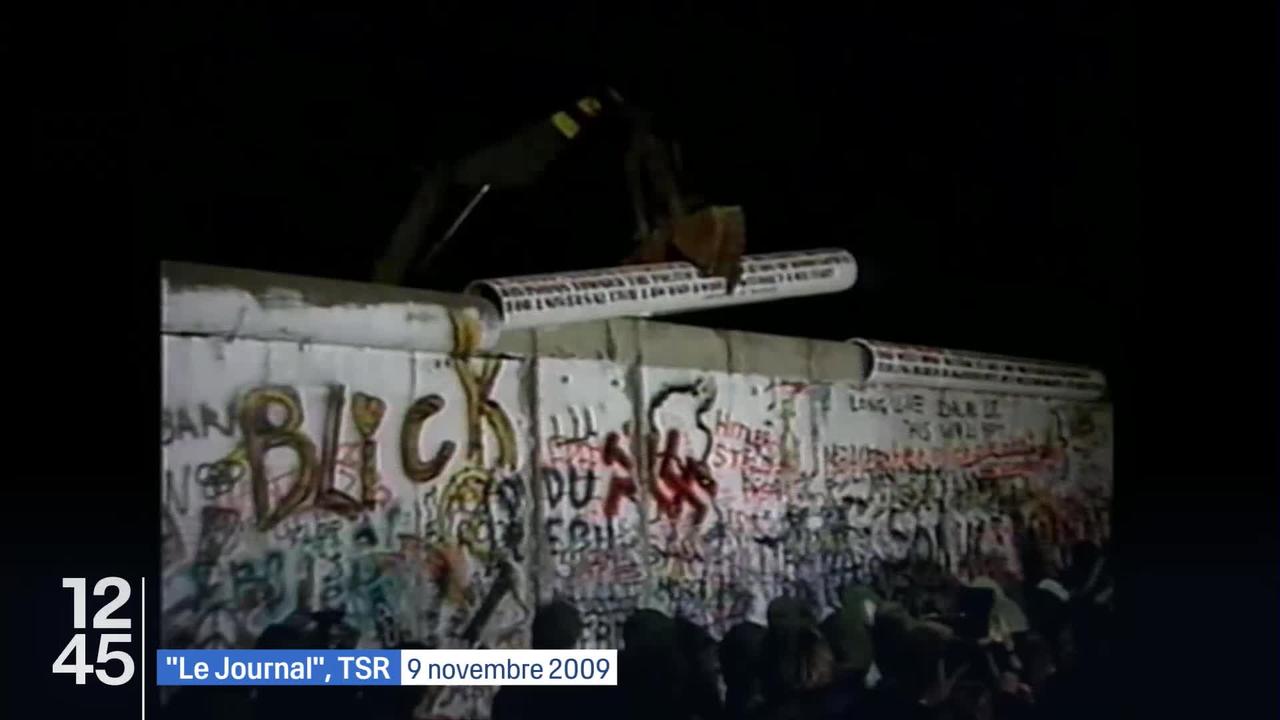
978,161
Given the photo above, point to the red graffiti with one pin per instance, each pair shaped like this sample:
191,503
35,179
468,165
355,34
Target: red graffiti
730,430
739,447
677,481
852,460
621,483
676,478
577,452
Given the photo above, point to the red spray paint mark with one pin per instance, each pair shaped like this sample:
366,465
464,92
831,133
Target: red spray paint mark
677,481
676,478
621,483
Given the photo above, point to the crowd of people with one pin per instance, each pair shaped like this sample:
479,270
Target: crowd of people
1031,648
1036,648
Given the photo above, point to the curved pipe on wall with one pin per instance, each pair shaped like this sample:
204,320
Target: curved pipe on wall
661,289
895,364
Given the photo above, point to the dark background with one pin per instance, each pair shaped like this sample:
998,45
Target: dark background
1084,181
980,162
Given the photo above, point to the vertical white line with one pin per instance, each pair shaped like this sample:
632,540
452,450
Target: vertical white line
143,655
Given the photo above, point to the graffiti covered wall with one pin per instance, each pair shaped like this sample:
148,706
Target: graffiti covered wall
425,498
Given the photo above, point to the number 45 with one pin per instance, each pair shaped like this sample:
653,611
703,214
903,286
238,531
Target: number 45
102,620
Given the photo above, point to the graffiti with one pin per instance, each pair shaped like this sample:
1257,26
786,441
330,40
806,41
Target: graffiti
462,516
172,548
272,420
960,430
621,483
578,466
577,536
176,493
789,452
182,423
483,410
219,528
743,448
706,494
919,430
853,459
504,584
464,511
218,478
214,480
309,532
577,452
258,583
327,496
591,527
584,428
265,431
366,413
510,497
681,480
312,506
578,486
673,484
887,404
415,468
985,408
702,391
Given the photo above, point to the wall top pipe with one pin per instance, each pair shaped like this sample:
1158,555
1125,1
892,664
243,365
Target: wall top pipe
208,300
897,364
664,288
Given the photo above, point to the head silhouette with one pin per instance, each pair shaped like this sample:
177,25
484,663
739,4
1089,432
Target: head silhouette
556,626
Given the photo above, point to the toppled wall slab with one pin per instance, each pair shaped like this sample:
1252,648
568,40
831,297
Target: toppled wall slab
439,498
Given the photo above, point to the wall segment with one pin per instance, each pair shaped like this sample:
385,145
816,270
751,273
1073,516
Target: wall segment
620,464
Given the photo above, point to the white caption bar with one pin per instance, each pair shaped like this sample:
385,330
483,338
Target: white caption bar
509,667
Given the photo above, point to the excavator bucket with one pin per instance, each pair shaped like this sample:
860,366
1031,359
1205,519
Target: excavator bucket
713,239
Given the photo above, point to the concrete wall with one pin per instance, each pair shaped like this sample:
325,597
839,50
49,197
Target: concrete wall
620,464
